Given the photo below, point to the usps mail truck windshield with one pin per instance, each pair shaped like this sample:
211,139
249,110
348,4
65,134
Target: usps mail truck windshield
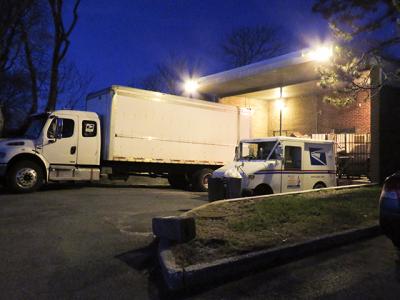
277,165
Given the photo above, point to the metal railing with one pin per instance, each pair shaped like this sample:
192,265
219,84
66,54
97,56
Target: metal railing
352,152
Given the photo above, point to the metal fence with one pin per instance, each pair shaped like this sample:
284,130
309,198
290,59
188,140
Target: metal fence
352,152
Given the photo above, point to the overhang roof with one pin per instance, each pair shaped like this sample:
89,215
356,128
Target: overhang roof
289,69
288,91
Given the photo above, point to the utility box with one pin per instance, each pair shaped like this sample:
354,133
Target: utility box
177,229
224,188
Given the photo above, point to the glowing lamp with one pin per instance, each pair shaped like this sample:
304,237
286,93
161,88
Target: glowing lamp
280,104
190,86
322,53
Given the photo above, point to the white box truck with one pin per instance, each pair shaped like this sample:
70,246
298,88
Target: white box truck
126,131
275,165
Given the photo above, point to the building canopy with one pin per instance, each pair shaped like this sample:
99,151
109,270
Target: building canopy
295,71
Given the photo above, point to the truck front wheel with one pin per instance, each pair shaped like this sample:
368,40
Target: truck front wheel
262,189
200,180
24,177
319,185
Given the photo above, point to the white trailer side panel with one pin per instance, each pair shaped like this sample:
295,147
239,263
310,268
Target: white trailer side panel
152,127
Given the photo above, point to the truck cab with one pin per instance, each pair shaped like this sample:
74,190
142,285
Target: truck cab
58,146
280,164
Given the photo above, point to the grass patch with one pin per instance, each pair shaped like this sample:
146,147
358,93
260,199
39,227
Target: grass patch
232,228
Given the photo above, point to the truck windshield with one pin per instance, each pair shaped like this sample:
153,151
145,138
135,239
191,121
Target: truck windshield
35,126
257,150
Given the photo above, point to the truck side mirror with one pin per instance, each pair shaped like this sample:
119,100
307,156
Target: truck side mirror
279,152
51,132
236,153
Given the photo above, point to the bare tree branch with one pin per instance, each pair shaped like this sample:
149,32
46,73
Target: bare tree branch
246,45
11,13
170,74
61,45
31,68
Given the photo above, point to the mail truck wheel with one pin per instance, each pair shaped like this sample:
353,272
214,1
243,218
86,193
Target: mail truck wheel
263,189
319,185
24,177
200,180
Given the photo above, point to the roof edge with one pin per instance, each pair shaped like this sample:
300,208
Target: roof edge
277,62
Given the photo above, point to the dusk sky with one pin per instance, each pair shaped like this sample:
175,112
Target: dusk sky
119,42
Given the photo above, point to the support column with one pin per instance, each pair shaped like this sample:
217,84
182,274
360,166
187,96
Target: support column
376,78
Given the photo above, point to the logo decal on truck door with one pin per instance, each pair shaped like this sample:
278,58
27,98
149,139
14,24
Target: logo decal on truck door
89,129
317,157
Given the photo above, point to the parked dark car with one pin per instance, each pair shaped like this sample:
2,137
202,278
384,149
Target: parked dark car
389,206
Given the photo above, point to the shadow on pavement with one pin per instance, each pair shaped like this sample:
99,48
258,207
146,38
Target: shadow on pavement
140,259
104,185
145,260
77,186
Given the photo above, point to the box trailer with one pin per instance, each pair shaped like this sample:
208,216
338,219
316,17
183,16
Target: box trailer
126,131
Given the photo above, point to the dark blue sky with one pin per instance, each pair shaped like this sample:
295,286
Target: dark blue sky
119,42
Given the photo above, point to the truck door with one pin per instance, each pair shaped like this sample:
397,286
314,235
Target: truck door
292,173
89,142
61,149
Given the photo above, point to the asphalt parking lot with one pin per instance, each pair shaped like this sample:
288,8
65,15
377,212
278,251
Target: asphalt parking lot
74,241
83,242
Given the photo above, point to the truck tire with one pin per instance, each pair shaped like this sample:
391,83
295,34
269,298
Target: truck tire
200,180
262,189
178,181
319,185
24,177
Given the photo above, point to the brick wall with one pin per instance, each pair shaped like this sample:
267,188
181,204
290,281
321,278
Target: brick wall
356,116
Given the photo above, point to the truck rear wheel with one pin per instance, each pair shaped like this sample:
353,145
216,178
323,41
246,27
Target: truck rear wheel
24,177
178,181
200,180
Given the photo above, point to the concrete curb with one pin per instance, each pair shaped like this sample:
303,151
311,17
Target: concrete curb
172,273
178,278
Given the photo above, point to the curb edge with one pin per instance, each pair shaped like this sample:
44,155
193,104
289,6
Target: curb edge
178,278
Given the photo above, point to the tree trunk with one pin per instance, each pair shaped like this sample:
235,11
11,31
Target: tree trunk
32,72
61,45
53,89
